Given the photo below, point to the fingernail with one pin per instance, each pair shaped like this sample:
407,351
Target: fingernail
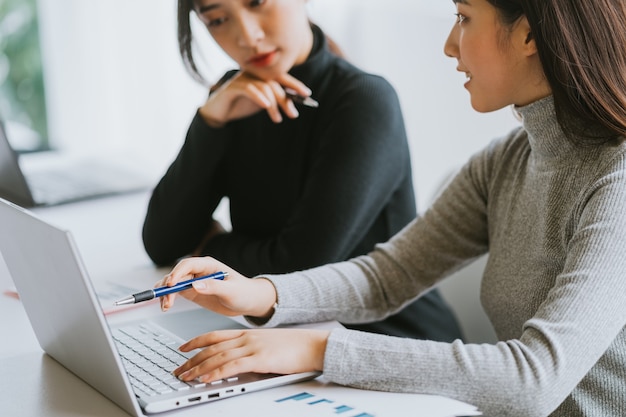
199,285
293,109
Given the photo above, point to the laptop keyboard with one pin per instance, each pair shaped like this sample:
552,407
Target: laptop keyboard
149,357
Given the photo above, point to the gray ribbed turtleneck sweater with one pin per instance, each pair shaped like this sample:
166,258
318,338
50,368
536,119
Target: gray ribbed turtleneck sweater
553,218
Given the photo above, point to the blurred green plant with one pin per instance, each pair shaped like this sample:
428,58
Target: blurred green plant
22,97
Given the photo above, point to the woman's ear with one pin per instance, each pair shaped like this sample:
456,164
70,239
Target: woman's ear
529,37
529,46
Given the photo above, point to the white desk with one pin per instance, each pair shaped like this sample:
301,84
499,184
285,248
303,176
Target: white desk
108,235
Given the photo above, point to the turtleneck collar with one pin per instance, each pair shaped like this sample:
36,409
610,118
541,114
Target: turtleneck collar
547,140
318,60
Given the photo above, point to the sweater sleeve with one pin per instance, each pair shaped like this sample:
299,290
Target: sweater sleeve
577,328
359,168
179,210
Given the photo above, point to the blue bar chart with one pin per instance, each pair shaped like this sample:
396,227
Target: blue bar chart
324,406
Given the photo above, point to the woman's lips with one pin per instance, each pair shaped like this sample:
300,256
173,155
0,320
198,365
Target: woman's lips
262,60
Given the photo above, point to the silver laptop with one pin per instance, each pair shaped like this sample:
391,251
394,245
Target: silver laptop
66,181
67,319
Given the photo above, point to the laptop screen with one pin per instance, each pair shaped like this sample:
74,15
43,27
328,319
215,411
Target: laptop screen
13,185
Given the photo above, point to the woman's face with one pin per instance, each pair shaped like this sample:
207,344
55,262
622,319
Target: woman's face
265,37
501,63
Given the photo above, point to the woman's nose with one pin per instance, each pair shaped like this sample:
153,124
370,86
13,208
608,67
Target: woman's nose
451,47
250,31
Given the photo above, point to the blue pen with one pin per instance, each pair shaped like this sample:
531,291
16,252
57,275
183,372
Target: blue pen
161,291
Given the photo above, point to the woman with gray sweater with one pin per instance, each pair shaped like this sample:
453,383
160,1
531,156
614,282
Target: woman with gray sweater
547,202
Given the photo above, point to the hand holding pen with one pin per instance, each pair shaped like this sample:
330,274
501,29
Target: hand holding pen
165,290
244,95
234,296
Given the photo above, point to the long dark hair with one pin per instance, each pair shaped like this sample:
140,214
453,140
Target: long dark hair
185,8
185,36
582,48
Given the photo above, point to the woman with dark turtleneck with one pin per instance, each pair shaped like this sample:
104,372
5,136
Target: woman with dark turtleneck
306,185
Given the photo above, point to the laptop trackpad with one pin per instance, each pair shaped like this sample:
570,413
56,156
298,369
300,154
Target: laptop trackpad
192,323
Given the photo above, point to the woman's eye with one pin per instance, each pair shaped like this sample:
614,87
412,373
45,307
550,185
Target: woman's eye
216,22
256,3
460,18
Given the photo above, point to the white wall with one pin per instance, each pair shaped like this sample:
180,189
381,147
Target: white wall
114,77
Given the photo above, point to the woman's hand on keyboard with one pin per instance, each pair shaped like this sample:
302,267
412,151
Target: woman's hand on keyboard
230,352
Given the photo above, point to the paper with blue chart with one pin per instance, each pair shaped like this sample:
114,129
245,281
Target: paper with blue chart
320,399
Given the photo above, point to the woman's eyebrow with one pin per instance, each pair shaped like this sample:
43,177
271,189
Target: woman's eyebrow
460,1
208,7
